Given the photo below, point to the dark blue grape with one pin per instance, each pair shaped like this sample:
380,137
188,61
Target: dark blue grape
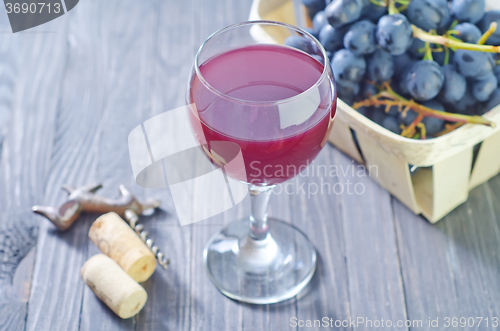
433,125
319,21
302,43
496,71
393,110
378,115
394,34
347,66
481,109
469,33
347,90
373,12
331,38
494,100
440,57
360,39
434,105
424,80
314,6
363,111
311,32
329,54
417,48
473,64
454,85
466,105
402,84
429,14
484,87
408,117
368,90
446,25
484,25
341,12
401,62
468,10
391,124
380,66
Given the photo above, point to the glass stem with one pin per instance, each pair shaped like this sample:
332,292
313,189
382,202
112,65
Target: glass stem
259,196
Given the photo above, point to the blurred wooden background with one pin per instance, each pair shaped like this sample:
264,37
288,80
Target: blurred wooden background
70,92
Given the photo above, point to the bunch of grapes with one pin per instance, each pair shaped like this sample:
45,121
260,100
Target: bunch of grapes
419,68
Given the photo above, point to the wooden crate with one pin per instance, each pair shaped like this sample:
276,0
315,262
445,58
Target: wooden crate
445,176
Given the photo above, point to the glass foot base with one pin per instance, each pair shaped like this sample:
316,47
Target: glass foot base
260,271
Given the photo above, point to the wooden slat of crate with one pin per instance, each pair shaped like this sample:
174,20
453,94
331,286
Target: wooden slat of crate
392,172
341,137
450,182
488,161
273,10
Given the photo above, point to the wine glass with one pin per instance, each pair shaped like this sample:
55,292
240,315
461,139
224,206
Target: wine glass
275,104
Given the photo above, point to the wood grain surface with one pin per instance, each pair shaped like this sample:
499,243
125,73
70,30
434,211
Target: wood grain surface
71,91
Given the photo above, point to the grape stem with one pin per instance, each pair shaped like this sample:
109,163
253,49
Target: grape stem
410,131
446,56
392,7
379,3
449,42
423,131
449,128
428,53
387,97
487,34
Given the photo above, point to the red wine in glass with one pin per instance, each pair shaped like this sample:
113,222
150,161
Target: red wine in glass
275,144
273,105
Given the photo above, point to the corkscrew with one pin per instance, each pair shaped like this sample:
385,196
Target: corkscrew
132,220
84,199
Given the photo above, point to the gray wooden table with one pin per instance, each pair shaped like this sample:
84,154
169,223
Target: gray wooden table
70,92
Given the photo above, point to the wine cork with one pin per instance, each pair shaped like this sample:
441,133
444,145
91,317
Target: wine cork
116,239
113,286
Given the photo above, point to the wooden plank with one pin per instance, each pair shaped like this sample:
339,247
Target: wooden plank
373,270
17,235
429,281
128,58
170,292
17,254
57,290
29,92
209,309
319,217
80,117
450,269
474,233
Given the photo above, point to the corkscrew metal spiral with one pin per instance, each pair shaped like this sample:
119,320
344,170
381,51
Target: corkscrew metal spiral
132,219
